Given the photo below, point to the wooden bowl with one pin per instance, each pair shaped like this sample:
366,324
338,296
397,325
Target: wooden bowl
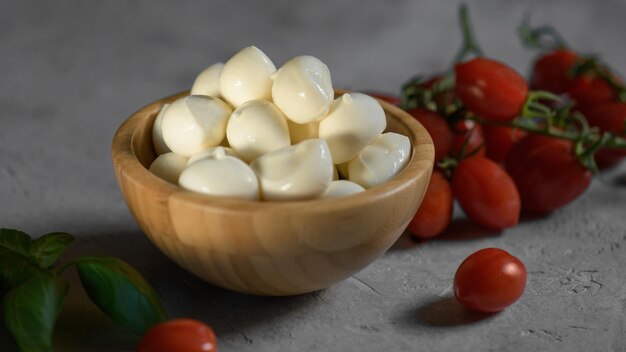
269,248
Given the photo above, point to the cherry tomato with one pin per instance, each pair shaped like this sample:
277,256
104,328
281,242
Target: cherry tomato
589,91
472,132
490,89
385,97
486,193
435,212
489,280
609,117
550,72
547,173
499,141
438,129
179,335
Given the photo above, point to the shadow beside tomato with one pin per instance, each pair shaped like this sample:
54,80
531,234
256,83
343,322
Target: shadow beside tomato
447,311
463,229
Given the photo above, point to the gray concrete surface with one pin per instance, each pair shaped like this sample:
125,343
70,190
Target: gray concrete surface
72,71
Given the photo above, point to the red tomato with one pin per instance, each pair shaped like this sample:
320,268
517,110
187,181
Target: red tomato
486,193
490,89
499,141
388,98
489,280
472,132
610,117
589,91
546,172
179,335
438,129
435,212
550,72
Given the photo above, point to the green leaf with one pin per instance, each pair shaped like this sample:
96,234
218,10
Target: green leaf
121,292
14,270
46,249
16,241
31,309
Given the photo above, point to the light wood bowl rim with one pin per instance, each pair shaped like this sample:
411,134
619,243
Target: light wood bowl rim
124,155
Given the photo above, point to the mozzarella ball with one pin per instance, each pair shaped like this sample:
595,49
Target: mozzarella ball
208,81
381,160
211,152
246,76
341,188
194,123
354,121
297,172
303,90
157,133
301,132
221,175
168,166
256,128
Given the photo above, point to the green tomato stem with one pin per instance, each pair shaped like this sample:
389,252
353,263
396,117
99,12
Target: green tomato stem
470,46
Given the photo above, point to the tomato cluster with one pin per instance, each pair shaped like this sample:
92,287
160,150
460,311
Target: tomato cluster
499,169
592,92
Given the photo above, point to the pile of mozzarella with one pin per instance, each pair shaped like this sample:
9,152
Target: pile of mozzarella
250,131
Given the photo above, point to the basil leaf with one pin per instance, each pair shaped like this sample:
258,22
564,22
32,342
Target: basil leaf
121,292
14,270
31,309
15,240
46,249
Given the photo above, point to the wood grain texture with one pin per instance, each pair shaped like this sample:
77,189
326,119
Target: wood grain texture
269,248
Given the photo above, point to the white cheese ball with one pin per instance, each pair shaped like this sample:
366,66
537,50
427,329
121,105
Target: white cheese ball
221,175
208,81
301,132
256,128
157,134
246,76
168,166
211,152
354,121
194,123
341,188
298,172
381,160
303,90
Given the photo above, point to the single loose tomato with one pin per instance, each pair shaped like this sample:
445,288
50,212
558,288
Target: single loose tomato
490,89
609,117
486,193
438,129
489,280
468,133
499,140
179,335
550,71
386,97
547,173
435,212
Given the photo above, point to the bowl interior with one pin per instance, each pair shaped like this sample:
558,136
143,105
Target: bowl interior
145,153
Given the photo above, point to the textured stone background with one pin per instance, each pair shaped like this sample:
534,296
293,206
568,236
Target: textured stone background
72,71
